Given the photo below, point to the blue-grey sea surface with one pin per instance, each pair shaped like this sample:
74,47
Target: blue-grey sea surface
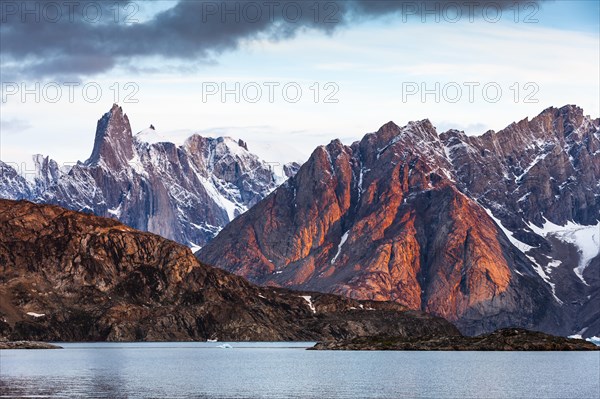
287,370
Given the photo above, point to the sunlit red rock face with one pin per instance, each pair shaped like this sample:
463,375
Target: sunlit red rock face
383,219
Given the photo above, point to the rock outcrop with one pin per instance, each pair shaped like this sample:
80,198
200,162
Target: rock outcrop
27,345
501,340
68,276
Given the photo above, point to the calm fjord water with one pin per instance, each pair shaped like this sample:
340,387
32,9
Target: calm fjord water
286,370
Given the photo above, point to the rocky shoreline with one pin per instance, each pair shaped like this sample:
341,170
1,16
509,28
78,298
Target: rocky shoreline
27,345
501,340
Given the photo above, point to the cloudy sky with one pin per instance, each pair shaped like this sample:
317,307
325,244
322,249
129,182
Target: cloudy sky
287,75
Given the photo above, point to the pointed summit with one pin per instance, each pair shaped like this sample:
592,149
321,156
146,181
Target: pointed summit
413,132
114,141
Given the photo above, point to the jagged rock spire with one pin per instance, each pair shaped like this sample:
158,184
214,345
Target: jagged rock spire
114,141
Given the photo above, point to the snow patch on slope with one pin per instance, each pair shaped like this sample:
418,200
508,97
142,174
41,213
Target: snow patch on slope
521,246
224,203
116,212
194,247
311,305
585,238
339,249
524,248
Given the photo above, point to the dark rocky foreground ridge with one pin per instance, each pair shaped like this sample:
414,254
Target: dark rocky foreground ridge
68,276
500,340
494,231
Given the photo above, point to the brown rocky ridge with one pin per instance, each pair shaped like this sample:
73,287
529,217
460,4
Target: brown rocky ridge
69,276
446,224
509,339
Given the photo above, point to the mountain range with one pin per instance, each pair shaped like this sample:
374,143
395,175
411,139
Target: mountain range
182,192
487,231
490,231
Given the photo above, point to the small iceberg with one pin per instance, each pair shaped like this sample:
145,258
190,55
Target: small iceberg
225,346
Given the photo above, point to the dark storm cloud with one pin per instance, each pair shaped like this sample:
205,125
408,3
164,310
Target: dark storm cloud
77,41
